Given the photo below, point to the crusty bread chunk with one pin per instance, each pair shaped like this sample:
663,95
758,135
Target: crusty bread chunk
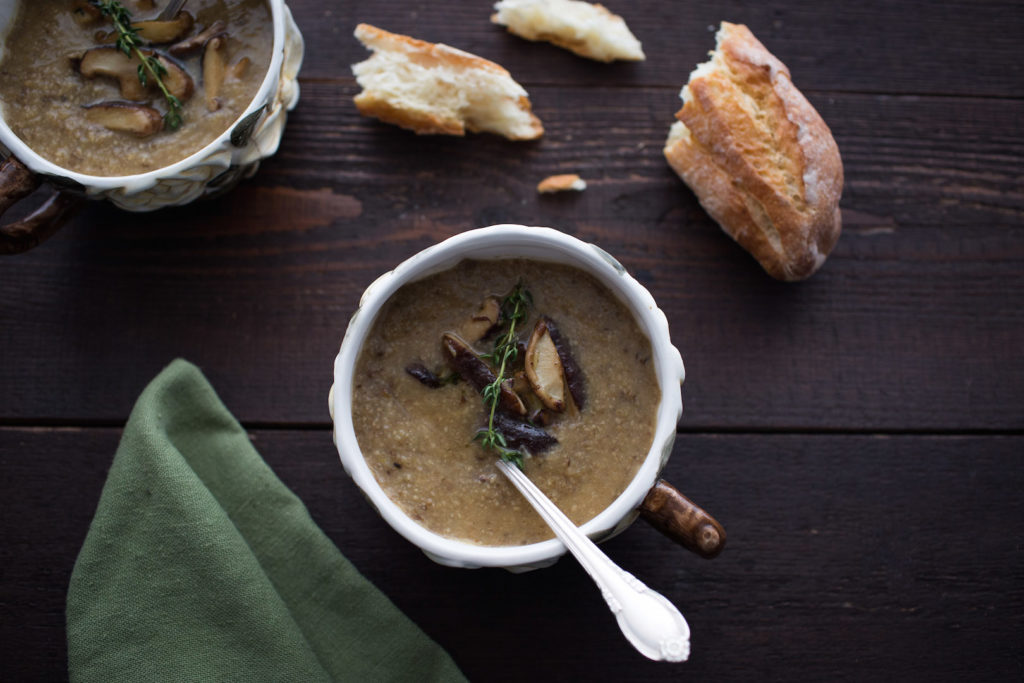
588,30
758,156
433,88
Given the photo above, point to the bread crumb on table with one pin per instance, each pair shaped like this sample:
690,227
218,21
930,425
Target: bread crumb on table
561,183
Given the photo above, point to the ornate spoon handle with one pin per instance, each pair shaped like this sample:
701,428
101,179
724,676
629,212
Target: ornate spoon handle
649,621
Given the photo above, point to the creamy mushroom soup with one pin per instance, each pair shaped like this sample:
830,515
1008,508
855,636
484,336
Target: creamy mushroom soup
579,407
71,96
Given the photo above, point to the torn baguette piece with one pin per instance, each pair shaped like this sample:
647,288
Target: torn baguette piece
561,183
586,29
758,156
436,89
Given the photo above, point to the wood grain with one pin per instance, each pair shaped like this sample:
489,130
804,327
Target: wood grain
860,435
911,47
914,323
854,557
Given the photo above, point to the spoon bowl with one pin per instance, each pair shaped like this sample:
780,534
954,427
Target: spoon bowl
648,620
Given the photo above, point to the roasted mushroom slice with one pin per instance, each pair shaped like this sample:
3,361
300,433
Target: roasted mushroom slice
238,70
105,37
536,412
477,327
420,372
521,386
177,80
541,417
214,68
544,368
573,374
474,370
196,42
111,62
156,31
85,13
125,117
519,435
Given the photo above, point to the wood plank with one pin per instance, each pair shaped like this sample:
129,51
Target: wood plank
915,46
849,557
914,324
909,161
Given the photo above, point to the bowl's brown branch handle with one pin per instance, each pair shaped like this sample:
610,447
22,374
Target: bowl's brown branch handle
679,518
16,183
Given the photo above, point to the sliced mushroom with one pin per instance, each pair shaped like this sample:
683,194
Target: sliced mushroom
573,374
156,31
425,376
464,361
477,327
510,401
521,386
519,434
105,37
177,80
214,68
238,70
535,410
196,42
109,61
544,368
474,370
541,417
85,13
125,117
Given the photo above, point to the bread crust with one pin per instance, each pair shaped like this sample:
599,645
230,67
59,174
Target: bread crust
422,123
423,52
432,55
759,157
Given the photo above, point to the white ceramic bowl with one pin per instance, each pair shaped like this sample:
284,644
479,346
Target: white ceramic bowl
234,154
497,242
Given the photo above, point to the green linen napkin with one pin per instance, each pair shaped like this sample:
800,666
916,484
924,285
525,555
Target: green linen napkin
200,565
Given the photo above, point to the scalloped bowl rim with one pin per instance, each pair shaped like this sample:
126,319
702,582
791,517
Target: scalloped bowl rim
508,241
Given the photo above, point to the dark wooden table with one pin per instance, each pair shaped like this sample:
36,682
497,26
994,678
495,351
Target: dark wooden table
860,435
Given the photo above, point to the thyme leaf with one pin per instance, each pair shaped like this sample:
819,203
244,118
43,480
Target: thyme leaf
506,350
150,68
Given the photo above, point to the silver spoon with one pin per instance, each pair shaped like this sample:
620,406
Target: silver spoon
649,621
171,11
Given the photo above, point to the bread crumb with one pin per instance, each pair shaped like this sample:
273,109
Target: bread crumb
589,30
561,183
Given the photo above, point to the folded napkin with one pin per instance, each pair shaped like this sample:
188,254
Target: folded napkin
200,565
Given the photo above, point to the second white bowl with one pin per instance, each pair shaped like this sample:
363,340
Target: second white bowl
501,242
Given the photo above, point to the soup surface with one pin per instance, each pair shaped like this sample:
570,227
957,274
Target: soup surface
418,440
43,95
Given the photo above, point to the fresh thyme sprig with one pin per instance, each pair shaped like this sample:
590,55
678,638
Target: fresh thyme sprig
150,67
506,350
